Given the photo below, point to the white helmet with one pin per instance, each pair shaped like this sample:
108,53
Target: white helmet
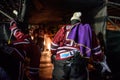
76,16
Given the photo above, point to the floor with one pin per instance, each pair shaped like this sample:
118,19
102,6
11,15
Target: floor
45,66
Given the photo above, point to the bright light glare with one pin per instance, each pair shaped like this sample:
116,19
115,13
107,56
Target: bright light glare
15,12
